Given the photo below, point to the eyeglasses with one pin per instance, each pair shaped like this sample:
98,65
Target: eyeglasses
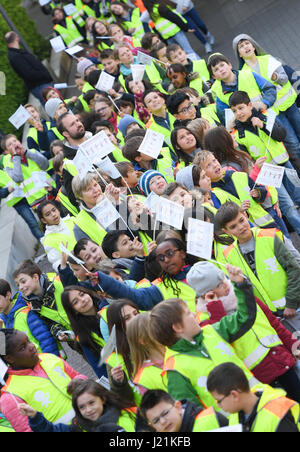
186,109
221,400
158,419
168,254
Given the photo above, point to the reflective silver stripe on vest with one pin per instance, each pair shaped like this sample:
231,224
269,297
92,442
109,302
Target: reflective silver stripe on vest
253,382
280,158
279,304
261,350
66,419
280,101
263,220
256,98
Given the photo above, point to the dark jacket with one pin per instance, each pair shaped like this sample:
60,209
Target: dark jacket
28,68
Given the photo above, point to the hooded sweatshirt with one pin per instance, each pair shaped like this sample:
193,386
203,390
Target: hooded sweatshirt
282,77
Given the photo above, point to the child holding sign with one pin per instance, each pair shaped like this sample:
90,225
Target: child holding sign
264,257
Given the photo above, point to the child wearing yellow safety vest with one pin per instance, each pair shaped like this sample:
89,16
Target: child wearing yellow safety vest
109,413
191,351
266,410
265,258
164,414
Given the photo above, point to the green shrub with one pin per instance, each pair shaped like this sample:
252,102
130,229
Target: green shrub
16,91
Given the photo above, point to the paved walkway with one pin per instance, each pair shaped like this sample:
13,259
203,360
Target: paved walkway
275,24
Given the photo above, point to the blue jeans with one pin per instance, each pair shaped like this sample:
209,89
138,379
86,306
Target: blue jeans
290,120
24,210
183,42
195,23
293,191
37,92
288,208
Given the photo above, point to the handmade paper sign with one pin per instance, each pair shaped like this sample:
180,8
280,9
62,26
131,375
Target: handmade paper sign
105,213
39,179
151,201
44,2
105,82
144,59
152,144
170,213
107,166
271,118
273,65
57,44
97,147
72,50
138,71
270,175
82,163
70,9
200,238
61,85
229,118
19,118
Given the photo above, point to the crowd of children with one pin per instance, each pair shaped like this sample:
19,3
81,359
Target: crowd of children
178,342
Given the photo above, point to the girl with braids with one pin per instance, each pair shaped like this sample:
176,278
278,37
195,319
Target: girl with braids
96,410
119,363
82,306
172,258
42,381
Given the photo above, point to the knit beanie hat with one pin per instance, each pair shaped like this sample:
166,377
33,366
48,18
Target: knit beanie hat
83,65
203,277
144,180
51,107
125,123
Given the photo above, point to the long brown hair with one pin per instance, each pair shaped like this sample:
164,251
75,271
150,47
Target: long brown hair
220,143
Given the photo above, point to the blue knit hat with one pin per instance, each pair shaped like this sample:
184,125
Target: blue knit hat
144,180
125,123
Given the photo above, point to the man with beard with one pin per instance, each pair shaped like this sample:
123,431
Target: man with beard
74,132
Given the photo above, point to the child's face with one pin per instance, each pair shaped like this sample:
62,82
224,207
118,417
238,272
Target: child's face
79,83
34,113
117,34
170,258
242,112
131,127
81,302
56,150
5,303
204,181
154,102
116,276
186,110
182,197
51,215
103,110
110,65
128,313
179,56
246,49
239,227
124,247
229,403
165,418
161,55
28,285
186,140
136,87
92,254
222,71
178,79
126,56
91,407
222,289
79,272
132,178
110,135
61,109
189,326
157,184
212,168
127,110
100,29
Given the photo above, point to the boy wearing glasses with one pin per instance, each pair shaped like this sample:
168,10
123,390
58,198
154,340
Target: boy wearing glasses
265,410
166,415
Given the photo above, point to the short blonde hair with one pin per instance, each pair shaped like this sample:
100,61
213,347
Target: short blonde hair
201,157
